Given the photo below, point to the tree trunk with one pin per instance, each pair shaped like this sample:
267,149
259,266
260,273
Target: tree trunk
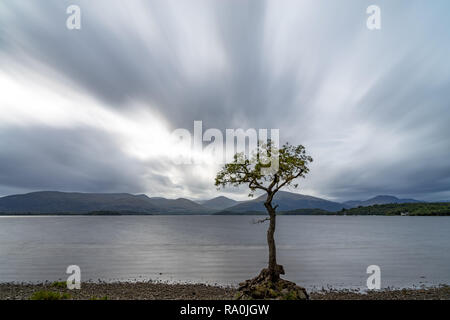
271,242
274,269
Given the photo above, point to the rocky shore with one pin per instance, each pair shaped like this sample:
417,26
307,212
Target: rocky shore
165,291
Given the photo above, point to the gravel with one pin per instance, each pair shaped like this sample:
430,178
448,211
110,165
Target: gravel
441,292
165,291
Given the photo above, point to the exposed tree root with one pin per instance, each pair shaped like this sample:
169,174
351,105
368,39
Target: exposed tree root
268,285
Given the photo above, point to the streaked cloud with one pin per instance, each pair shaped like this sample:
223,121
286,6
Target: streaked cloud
92,110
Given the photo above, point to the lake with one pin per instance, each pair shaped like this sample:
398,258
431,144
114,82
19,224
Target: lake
315,251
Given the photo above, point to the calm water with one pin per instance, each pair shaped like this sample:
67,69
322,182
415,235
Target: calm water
315,250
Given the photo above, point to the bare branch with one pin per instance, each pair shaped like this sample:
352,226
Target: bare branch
256,221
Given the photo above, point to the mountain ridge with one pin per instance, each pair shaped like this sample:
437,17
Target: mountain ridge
219,203
288,201
379,199
56,202
49,202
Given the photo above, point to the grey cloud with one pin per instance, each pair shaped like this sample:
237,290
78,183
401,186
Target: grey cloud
280,59
40,158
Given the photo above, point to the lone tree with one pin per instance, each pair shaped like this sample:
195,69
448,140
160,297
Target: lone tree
260,173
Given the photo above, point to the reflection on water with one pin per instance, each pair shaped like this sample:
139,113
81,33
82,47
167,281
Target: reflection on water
316,251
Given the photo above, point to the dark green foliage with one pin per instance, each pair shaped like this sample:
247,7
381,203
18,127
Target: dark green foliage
397,209
256,171
394,209
59,284
49,295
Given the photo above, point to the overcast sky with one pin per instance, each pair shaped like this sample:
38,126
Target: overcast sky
92,110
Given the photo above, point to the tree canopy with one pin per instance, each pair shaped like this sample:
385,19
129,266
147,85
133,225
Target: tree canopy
269,168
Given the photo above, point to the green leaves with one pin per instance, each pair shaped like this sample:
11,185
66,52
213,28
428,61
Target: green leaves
259,172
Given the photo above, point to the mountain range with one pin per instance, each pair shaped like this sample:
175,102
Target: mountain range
219,203
383,199
287,201
54,202
63,202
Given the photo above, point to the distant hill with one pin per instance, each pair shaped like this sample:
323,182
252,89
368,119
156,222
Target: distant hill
52,202
219,203
382,199
287,201
393,209
180,205
402,209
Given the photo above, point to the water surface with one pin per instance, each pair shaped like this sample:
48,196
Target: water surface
316,251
